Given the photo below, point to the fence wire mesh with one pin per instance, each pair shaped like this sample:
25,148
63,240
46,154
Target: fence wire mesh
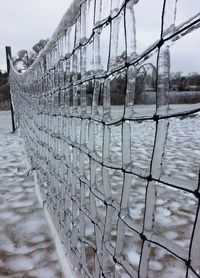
103,164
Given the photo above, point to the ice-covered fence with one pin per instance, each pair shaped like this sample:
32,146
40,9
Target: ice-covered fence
101,184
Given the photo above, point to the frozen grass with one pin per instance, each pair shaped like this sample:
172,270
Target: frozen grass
26,247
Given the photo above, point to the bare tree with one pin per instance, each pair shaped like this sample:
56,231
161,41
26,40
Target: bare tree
25,58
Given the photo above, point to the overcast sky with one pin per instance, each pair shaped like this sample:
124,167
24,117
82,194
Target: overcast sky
24,22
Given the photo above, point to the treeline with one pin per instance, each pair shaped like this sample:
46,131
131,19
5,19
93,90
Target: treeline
4,92
190,82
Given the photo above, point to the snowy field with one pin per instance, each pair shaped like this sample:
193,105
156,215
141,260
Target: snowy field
26,247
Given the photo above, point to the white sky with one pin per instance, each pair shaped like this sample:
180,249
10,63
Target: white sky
24,22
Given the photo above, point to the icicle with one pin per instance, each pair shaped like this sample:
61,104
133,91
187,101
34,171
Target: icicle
130,91
106,100
131,30
96,95
114,40
163,80
169,16
97,56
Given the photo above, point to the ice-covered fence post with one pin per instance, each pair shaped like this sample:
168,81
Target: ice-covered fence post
8,56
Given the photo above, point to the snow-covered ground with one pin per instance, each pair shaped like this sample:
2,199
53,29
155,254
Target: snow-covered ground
26,246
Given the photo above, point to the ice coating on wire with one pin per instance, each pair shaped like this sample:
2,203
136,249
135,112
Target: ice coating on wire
80,144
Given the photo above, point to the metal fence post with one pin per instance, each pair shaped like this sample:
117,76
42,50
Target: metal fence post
8,55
